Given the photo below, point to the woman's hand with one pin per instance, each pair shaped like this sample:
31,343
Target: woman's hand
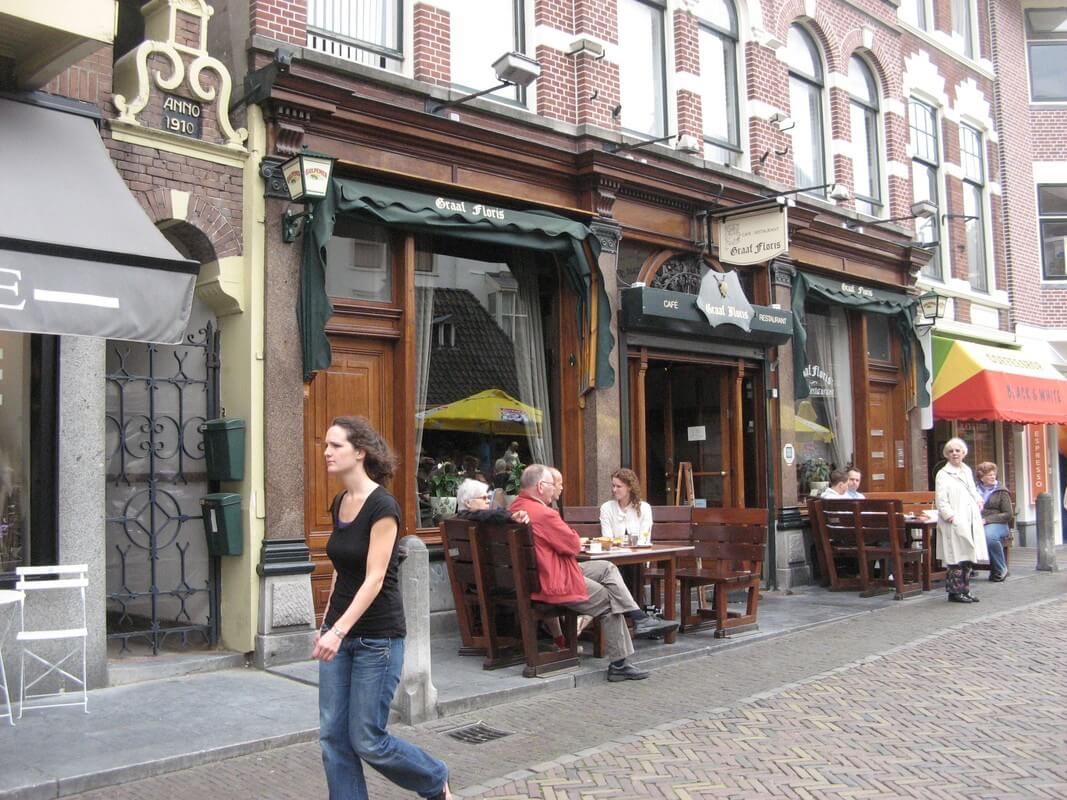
951,519
520,517
326,646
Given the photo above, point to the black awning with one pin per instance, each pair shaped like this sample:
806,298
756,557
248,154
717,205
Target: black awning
78,254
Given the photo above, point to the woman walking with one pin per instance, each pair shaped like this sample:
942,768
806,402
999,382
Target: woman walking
960,532
360,647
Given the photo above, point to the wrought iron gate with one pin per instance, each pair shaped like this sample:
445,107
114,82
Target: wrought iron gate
163,588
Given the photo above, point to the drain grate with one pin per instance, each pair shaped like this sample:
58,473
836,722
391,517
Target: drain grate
478,733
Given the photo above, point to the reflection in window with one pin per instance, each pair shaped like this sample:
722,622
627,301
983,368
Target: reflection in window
358,263
805,106
973,162
1046,50
863,112
718,74
482,402
642,90
823,421
925,177
15,450
1052,208
479,34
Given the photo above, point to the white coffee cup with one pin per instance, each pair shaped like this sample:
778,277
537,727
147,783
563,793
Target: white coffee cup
595,547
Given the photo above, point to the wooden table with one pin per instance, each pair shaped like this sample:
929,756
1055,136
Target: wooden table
667,554
928,528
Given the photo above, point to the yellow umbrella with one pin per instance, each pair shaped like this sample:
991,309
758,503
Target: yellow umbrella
492,411
821,433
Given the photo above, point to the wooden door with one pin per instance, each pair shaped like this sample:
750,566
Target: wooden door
887,445
359,381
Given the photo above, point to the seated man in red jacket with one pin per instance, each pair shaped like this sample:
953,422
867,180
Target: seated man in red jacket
592,587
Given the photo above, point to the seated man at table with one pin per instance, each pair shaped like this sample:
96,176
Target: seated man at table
592,587
838,488
854,478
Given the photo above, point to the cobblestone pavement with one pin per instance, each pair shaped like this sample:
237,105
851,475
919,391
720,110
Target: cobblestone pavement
922,699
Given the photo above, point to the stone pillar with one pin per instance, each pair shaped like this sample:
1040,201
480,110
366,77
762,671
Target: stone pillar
82,477
602,417
416,700
286,625
1046,534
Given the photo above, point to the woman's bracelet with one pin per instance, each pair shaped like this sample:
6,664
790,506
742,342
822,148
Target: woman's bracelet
340,634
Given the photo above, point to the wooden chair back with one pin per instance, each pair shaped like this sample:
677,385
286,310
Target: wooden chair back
838,525
671,524
730,541
585,520
884,541
912,503
456,535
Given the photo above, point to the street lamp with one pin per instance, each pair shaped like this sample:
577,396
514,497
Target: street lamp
923,209
307,177
512,69
932,307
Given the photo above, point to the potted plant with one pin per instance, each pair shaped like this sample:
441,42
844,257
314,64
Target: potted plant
816,473
511,488
444,481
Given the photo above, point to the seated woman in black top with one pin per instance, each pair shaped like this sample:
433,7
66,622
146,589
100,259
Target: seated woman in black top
360,648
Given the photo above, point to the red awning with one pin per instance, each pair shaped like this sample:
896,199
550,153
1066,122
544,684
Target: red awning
973,381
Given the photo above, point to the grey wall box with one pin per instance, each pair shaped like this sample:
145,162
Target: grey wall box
224,449
222,523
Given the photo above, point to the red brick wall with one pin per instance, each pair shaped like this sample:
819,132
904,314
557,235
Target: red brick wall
556,87
283,20
433,50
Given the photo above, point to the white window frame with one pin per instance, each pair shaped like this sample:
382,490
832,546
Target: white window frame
939,182
969,36
515,95
1039,40
332,30
661,7
736,149
986,220
1053,280
924,13
878,204
824,117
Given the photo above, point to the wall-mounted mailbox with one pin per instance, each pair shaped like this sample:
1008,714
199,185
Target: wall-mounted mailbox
224,449
222,523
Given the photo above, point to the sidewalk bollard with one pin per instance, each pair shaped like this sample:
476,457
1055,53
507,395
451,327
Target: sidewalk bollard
1046,535
417,699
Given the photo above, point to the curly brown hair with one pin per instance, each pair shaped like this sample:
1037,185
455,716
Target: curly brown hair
380,462
629,477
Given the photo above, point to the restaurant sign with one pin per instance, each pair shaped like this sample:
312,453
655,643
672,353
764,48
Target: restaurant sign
754,237
1035,440
722,299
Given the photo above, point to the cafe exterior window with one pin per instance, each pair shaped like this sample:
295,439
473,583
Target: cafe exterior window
359,262
479,33
1052,209
926,178
823,420
642,73
364,31
806,108
718,74
973,163
863,114
1046,50
482,400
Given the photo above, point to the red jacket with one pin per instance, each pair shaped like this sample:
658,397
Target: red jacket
555,547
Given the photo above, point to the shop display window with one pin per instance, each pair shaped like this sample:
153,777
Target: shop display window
823,420
481,383
15,449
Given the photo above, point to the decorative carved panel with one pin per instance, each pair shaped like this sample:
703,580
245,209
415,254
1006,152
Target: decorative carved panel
681,273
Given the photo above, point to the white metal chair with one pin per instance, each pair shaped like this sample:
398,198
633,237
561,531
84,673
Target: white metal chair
34,581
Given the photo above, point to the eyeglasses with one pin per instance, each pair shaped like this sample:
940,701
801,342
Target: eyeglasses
488,497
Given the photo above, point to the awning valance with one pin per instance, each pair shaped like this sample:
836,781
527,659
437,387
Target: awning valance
78,254
979,382
573,243
847,292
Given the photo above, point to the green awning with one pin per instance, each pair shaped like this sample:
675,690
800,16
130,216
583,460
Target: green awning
572,243
847,292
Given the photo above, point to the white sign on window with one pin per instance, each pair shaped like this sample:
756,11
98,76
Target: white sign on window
697,433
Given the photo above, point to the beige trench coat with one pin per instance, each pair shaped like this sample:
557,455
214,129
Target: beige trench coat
963,539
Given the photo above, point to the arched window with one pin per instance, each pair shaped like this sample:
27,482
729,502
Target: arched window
806,109
718,77
863,113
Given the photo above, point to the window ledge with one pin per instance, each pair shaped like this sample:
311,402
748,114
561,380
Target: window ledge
943,46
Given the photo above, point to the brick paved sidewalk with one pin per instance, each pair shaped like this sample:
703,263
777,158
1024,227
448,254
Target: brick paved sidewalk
544,728
978,711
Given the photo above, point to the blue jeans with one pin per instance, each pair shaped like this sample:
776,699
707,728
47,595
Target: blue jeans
355,690
994,532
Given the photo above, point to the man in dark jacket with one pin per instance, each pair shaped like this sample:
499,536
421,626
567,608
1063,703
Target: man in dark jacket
593,587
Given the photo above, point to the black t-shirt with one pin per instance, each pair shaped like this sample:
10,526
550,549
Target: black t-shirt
347,548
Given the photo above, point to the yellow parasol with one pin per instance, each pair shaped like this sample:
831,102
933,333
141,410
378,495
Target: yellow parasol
814,429
492,411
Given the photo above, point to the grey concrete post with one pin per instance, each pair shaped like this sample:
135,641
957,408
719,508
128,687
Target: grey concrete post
417,699
1046,534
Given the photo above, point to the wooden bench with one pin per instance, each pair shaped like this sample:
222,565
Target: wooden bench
914,503
730,545
459,559
885,543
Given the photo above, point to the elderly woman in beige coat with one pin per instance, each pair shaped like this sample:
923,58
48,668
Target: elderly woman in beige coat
960,532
